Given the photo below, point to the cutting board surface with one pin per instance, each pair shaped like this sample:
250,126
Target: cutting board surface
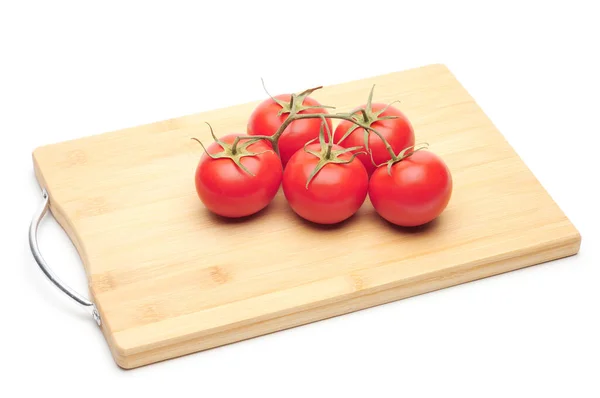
170,279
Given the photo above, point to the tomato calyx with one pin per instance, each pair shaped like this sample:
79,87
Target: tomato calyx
405,153
296,103
367,117
327,154
234,151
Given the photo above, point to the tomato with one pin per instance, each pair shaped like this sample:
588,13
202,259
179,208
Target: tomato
336,191
270,114
226,188
416,192
398,131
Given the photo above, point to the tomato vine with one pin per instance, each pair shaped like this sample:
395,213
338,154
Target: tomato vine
360,118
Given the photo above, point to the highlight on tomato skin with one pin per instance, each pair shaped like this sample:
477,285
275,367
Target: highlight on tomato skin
415,193
228,190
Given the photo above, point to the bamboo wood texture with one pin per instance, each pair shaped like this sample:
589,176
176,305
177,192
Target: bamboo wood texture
170,279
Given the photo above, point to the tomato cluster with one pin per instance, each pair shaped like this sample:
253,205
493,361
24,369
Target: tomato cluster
326,174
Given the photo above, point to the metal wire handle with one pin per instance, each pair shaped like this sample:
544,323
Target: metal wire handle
37,255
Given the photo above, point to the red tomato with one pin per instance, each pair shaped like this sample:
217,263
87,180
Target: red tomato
416,192
335,193
228,190
265,120
398,132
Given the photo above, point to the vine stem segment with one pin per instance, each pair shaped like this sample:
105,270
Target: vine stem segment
274,139
295,106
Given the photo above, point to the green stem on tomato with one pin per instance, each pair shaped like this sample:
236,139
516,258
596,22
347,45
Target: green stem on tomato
292,100
365,115
234,145
329,147
388,147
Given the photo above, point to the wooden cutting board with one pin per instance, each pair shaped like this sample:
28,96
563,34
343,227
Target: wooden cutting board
170,279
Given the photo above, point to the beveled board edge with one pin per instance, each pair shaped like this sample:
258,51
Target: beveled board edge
424,284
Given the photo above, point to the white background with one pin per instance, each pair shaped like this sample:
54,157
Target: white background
73,69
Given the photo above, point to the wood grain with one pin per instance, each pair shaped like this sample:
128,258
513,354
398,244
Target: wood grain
170,279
